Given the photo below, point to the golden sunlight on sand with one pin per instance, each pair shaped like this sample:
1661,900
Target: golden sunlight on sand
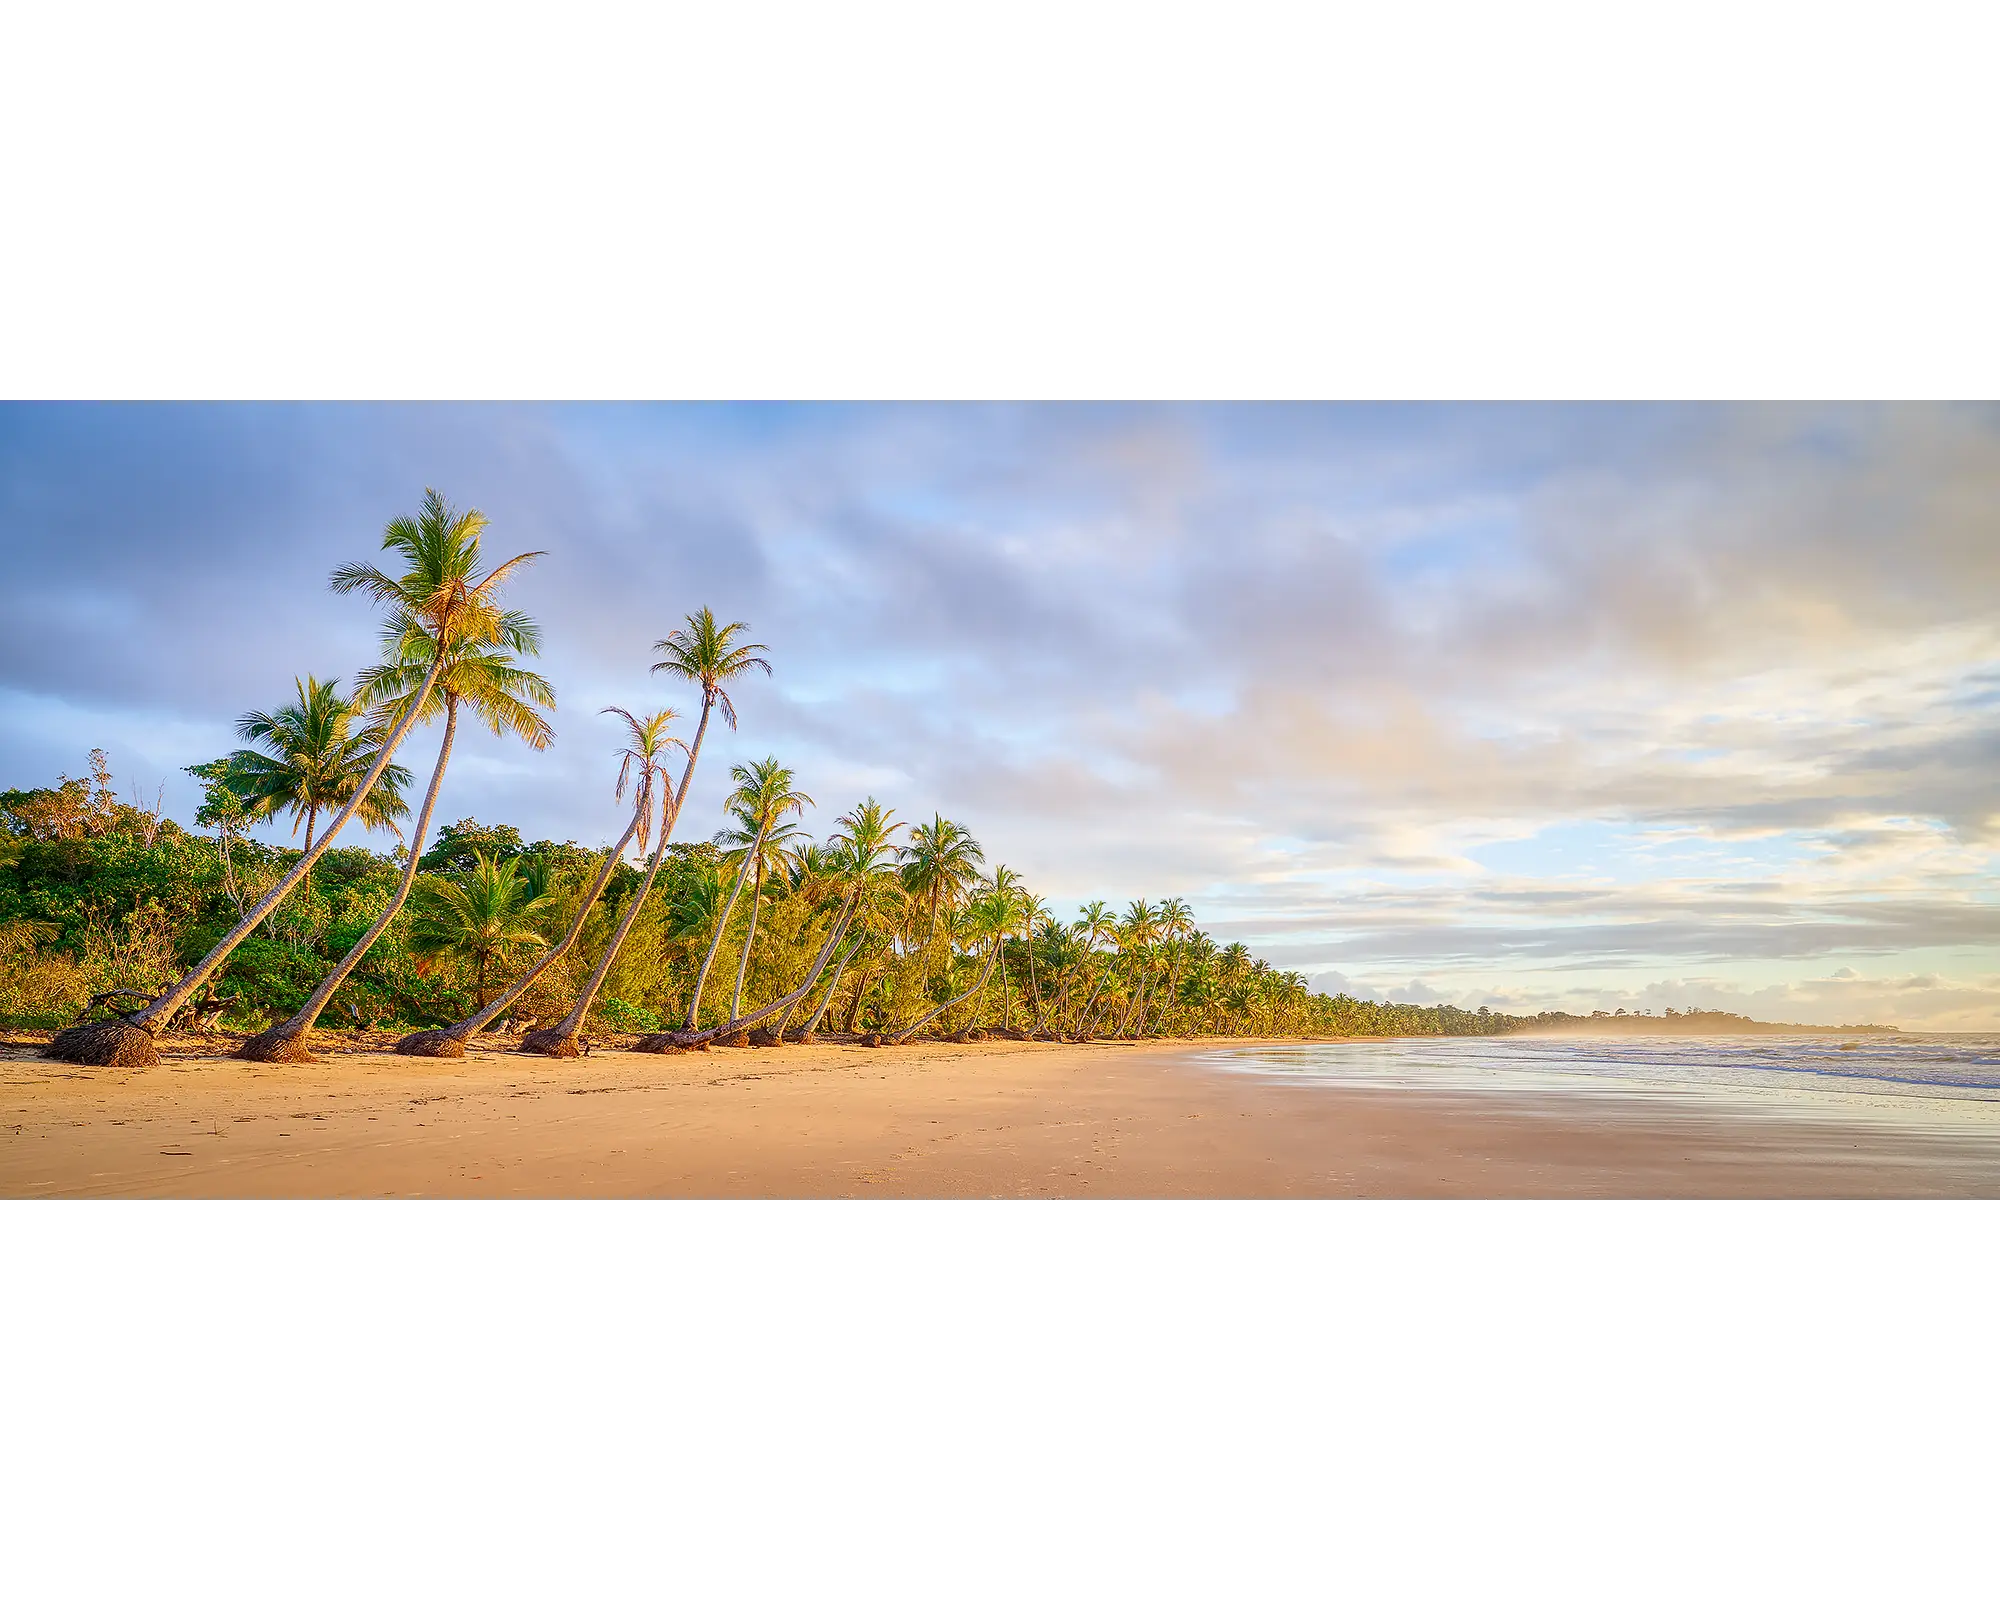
995,1119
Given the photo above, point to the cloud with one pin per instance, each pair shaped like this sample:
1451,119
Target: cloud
1719,686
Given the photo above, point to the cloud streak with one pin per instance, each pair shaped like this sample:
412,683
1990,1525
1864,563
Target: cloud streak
1487,699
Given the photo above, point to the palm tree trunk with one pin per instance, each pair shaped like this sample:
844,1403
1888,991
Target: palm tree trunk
826,999
312,815
451,1041
160,1012
1034,983
275,1044
840,930
549,1040
928,1016
721,922
860,994
1173,986
1145,989
1091,1002
749,942
661,1042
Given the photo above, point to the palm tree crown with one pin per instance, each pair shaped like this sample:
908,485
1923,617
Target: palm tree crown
940,863
704,653
442,591
319,752
640,763
482,917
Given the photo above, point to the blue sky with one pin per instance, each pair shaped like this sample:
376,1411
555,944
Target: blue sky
1530,705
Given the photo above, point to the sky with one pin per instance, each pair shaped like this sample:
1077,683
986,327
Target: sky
1536,707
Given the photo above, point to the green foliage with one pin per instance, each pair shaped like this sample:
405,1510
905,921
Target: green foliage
460,843
628,1018
96,895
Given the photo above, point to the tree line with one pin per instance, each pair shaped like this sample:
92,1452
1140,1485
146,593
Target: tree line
885,929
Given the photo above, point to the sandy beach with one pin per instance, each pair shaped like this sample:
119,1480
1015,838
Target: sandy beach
942,1120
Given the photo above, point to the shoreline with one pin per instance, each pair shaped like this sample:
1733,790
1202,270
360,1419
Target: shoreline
1120,1119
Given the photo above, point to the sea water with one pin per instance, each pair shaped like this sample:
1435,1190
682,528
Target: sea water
1908,1080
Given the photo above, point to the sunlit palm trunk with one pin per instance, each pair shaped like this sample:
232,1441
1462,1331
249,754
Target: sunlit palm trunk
832,987
721,922
578,1012
749,942
992,955
300,1023
156,1016
468,1026
1090,1004
1034,985
736,1025
839,932
860,995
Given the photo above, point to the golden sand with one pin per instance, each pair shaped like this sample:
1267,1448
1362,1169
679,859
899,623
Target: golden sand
992,1119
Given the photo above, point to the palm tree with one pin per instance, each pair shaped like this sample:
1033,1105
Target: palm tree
762,799
450,1041
813,875
482,918
639,764
705,654
316,754
940,864
773,782
1137,936
868,853
480,678
766,849
1035,919
1176,926
443,588
1006,883
986,920
1095,926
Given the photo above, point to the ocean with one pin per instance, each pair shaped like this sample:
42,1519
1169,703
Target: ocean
1905,1080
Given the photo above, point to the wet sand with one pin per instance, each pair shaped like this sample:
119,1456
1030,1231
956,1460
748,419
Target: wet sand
992,1119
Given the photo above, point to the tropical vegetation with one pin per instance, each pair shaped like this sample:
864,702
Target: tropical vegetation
117,924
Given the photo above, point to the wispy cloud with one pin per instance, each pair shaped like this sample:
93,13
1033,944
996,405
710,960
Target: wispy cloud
1484,699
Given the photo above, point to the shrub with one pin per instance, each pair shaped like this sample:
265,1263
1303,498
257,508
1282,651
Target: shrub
628,1018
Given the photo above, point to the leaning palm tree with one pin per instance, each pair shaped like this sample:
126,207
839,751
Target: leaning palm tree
1006,883
866,843
767,846
762,798
482,918
1136,936
1176,927
641,765
1095,926
443,588
450,1041
493,690
851,862
704,653
987,920
316,752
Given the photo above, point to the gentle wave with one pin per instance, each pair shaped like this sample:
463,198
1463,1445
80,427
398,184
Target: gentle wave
1946,1080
